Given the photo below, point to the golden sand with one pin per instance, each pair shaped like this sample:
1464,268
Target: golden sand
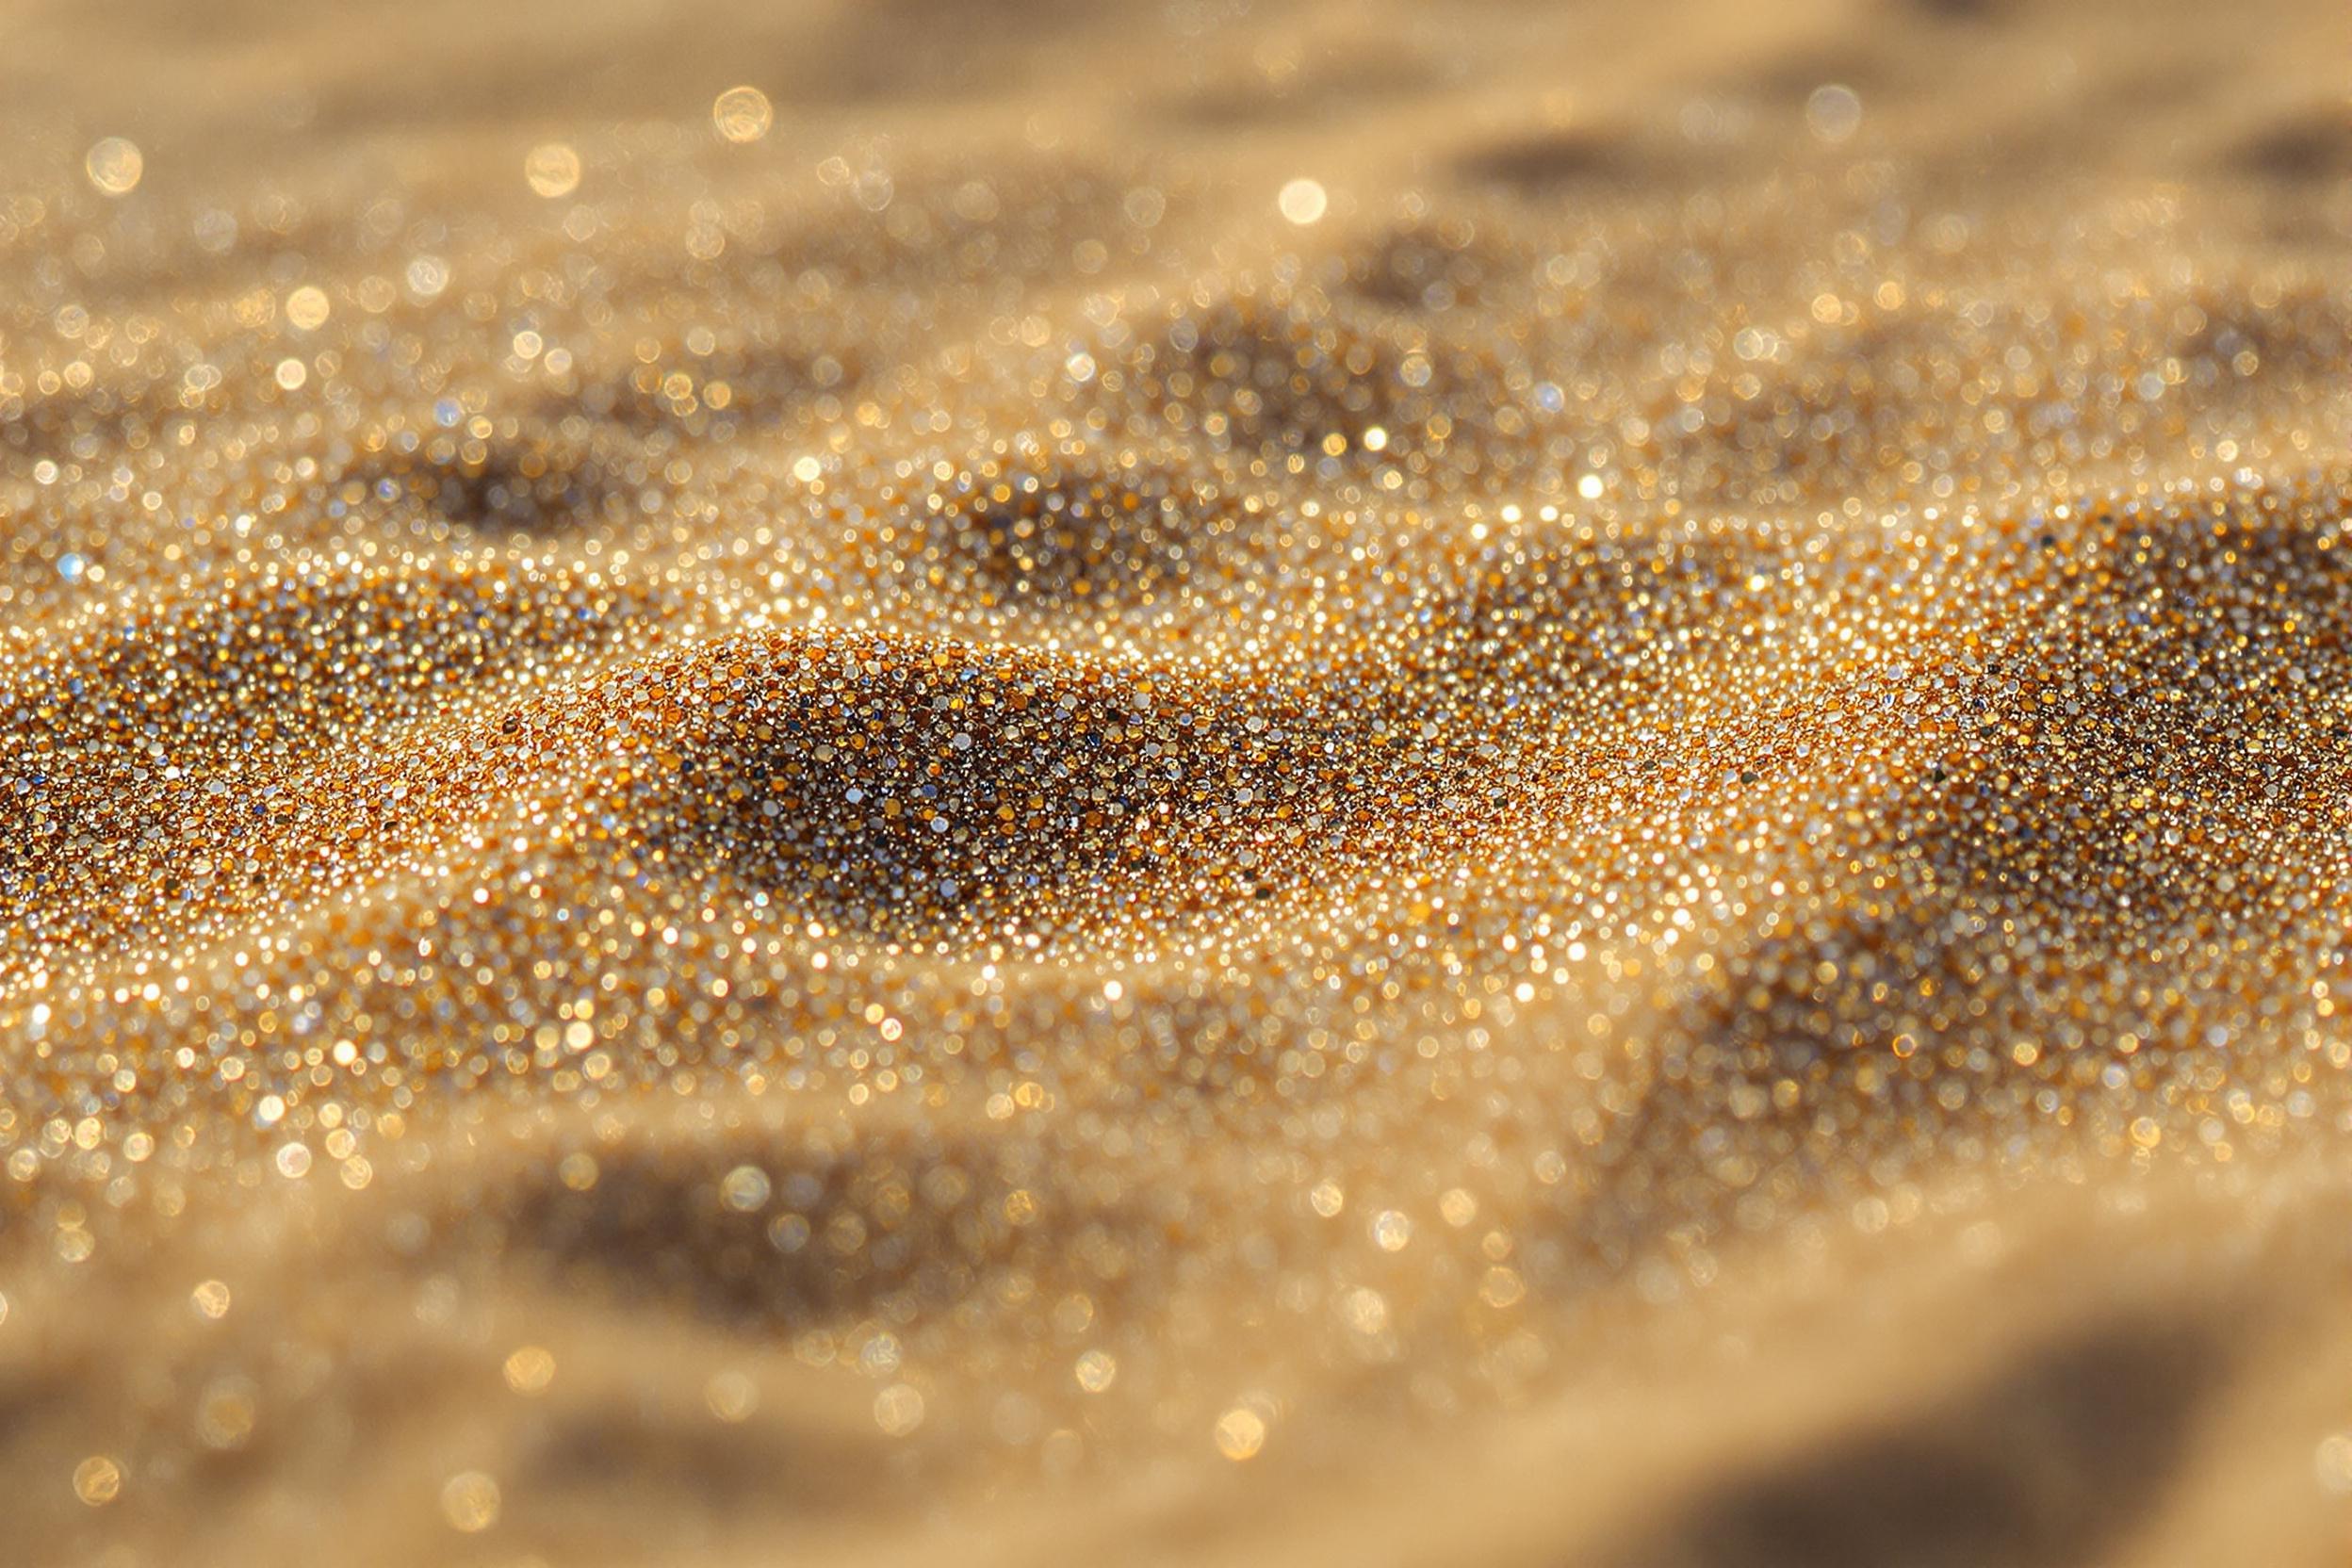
1363,784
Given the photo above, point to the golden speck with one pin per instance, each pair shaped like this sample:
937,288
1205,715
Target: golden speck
1501,1287
743,114
530,1370
1096,1370
1365,1311
427,277
114,165
470,1502
1303,201
224,1414
307,307
898,1408
552,169
98,1480
744,1188
1240,1433
1834,112
211,1298
731,1397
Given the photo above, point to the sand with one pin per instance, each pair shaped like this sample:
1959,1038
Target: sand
1224,783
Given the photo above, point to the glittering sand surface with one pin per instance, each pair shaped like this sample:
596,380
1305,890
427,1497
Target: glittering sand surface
1506,784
